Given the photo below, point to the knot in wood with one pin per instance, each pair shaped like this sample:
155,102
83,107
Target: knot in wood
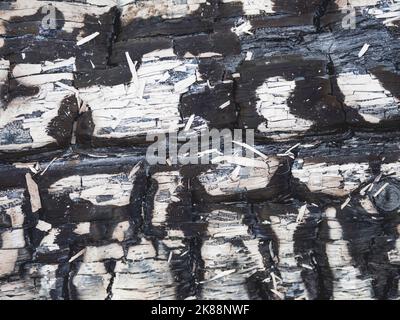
386,195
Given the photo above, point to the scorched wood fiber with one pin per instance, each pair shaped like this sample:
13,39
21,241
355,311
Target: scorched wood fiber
315,214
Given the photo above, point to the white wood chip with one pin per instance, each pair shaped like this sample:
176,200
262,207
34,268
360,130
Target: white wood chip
364,190
391,20
292,148
301,214
271,250
344,205
189,123
87,39
134,170
291,155
249,55
132,66
33,190
43,226
363,50
209,85
170,256
185,253
378,178
274,281
57,65
138,87
175,199
381,189
48,166
73,137
220,275
245,27
77,255
184,84
224,105
307,266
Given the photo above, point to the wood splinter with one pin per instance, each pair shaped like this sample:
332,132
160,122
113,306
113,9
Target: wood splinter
33,190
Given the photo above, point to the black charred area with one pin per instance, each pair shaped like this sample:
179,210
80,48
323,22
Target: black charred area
319,220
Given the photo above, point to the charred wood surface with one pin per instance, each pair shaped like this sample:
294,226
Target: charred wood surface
83,215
